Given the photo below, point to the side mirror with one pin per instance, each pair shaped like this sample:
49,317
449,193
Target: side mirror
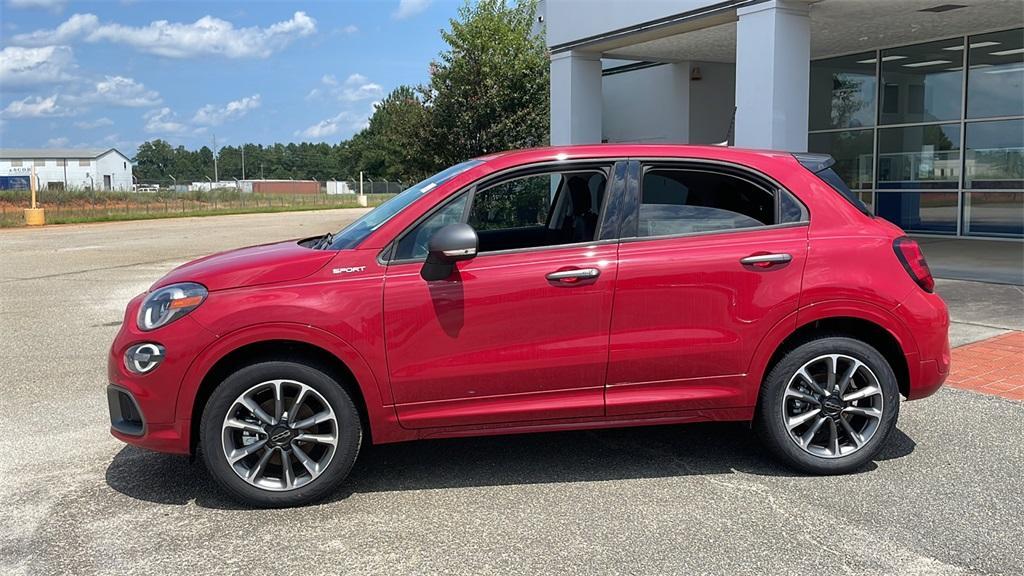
451,244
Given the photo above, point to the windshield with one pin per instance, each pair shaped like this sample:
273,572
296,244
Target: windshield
351,235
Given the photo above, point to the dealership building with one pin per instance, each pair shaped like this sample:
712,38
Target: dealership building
920,102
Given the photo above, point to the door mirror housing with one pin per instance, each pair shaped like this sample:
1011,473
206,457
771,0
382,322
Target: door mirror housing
451,244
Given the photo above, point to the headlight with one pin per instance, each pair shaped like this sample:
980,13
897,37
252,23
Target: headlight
169,303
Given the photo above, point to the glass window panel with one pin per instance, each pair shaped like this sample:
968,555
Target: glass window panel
843,92
868,198
994,214
931,212
919,157
852,151
995,155
922,83
995,81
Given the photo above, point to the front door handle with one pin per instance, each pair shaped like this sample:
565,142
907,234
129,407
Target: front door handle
574,276
765,260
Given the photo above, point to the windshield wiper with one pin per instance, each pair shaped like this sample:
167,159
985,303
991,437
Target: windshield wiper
324,242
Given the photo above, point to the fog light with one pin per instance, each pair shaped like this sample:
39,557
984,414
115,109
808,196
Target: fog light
143,358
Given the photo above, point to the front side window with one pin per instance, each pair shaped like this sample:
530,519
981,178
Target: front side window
689,201
537,210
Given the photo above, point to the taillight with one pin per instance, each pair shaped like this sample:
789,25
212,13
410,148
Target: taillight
910,255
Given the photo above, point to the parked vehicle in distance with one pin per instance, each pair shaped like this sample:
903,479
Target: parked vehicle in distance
152,188
541,290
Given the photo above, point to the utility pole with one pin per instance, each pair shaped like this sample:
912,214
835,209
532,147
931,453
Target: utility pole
243,161
216,176
261,170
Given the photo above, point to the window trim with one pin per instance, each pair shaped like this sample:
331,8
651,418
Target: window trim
707,165
605,165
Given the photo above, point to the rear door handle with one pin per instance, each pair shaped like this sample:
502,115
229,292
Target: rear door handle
573,276
766,260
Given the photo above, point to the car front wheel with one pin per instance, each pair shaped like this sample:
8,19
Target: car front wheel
828,405
279,434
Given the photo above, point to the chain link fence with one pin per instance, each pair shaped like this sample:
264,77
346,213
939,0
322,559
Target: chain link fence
67,206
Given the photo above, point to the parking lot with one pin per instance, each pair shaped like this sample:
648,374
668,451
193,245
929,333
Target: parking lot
945,497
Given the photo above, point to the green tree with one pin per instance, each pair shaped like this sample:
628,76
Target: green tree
394,145
488,91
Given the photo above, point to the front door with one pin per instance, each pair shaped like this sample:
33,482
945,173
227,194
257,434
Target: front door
519,333
716,261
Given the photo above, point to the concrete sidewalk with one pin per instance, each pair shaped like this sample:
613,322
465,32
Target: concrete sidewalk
978,310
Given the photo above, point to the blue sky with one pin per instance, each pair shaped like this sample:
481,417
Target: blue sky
120,72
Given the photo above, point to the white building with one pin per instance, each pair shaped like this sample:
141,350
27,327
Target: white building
56,168
921,102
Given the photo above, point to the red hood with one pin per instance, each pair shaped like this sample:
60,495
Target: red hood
264,264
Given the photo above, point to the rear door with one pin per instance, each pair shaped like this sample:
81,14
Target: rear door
520,332
715,259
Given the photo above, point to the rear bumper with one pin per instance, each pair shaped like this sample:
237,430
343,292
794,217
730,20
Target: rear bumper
927,319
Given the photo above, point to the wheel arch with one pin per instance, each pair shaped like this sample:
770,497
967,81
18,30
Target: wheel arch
280,342
870,324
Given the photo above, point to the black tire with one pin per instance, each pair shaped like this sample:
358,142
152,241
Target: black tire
770,421
349,432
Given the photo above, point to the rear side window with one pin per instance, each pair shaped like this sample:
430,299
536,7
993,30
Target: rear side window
821,166
688,201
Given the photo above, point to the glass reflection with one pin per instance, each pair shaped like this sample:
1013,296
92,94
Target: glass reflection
994,213
853,153
995,81
843,92
995,155
919,157
931,212
922,83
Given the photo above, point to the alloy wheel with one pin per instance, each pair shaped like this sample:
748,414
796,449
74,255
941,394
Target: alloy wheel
279,435
832,406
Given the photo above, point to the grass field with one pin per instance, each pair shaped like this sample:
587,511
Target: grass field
75,207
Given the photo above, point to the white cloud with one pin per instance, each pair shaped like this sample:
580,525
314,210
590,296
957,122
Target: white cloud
93,124
55,6
34,107
206,36
57,142
162,120
350,29
358,87
118,91
211,115
24,66
355,88
346,120
409,8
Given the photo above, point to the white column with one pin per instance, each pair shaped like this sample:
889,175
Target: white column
575,98
773,52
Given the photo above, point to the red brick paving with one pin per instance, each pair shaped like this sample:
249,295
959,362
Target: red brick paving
993,366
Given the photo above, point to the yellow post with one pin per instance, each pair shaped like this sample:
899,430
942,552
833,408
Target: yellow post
34,216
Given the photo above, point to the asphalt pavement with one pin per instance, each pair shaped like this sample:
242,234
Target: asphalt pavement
945,497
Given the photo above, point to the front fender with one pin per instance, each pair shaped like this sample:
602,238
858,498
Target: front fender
376,405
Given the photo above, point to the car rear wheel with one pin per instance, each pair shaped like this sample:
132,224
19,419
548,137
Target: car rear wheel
828,405
279,434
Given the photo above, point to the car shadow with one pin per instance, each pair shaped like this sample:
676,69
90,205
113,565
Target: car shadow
558,457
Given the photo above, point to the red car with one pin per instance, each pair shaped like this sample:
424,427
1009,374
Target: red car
541,290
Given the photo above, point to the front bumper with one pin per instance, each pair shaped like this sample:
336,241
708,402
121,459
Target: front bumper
143,406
